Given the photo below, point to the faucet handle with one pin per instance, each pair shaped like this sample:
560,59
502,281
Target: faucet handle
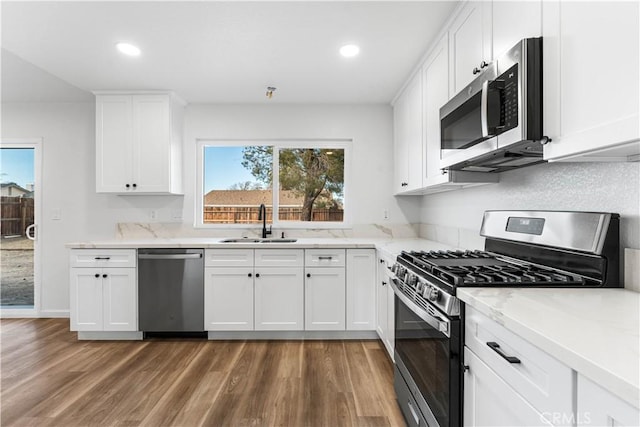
268,233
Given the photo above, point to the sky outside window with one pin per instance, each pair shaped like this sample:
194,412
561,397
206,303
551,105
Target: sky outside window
223,168
16,165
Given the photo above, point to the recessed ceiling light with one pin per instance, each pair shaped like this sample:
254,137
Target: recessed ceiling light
128,48
349,50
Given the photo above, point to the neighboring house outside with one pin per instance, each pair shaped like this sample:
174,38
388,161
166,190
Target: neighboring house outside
241,206
11,189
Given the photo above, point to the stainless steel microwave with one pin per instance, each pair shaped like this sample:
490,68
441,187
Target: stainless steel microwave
495,123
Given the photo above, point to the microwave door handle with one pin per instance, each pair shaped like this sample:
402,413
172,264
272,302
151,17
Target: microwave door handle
484,109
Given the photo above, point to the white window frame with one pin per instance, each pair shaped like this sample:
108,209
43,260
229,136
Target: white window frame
277,144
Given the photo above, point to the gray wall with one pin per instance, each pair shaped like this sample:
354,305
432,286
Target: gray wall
602,187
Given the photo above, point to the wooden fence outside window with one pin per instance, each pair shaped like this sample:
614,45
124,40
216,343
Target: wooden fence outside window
17,213
249,214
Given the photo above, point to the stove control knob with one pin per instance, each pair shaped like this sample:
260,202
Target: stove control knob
433,294
419,287
412,280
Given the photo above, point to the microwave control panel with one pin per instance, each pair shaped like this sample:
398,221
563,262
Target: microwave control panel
509,105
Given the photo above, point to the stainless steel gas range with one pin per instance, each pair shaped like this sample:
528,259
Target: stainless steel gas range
522,249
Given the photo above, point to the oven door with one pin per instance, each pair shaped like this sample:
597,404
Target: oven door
427,353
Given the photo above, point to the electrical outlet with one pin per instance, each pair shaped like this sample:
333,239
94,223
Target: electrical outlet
153,214
56,214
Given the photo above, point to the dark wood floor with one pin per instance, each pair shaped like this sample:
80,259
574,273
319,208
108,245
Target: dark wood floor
51,379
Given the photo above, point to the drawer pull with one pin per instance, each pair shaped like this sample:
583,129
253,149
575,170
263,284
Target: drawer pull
106,258
496,347
325,257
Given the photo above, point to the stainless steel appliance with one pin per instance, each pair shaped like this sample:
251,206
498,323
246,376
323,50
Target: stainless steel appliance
522,249
495,123
170,290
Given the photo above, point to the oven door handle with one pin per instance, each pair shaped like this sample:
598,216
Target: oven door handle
438,323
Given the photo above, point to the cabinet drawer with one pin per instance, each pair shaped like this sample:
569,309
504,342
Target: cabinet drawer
279,257
541,379
92,258
228,258
324,258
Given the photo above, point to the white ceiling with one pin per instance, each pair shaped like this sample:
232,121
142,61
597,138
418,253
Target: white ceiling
223,51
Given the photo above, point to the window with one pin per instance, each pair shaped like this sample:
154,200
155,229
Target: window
301,182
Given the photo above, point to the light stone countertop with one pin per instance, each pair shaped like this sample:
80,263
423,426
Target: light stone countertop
593,331
390,247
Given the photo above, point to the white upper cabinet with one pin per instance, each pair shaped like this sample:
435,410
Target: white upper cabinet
470,45
138,143
484,30
591,74
436,93
512,21
407,114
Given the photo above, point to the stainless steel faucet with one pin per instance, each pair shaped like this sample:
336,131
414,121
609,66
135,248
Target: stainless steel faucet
262,215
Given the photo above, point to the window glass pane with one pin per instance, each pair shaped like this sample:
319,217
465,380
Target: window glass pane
311,184
236,181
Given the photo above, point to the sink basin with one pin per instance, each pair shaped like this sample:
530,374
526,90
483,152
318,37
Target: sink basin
252,240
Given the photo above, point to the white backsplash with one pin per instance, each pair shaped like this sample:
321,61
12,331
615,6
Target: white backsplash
137,230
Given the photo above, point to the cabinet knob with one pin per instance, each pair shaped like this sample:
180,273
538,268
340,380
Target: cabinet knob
257,274
104,276
476,70
97,275
404,184
484,64
127,185
384,283
381,261
135,185
249,274
308,274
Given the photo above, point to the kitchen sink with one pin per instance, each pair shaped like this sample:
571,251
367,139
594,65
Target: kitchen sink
248,240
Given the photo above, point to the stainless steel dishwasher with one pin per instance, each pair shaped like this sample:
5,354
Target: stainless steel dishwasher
171,290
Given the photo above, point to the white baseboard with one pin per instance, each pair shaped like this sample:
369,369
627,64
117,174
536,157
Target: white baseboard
292,335
29,313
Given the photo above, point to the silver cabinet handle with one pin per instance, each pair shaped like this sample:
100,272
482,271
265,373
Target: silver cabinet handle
169,256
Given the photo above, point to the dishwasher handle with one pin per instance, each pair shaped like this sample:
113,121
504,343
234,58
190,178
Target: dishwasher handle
169,256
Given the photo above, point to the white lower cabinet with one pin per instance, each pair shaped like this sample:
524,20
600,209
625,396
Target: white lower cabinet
490,401
598,407
279,299
324,299
361,289
228,296
103,298
385,310
511,382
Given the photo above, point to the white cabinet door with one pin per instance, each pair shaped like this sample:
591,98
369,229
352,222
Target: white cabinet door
361,289
408,137
279,299
385,306
598,407
228,299
120,299
489,401
591,85
86,309
436,93
138,148
114,143
324,297
469,43
381,301
104,299
151,143
513,21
